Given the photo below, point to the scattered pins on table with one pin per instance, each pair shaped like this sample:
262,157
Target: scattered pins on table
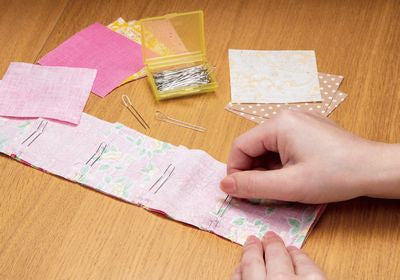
162,117
128,104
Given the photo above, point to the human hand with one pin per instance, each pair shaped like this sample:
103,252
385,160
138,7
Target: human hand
304,157
270,259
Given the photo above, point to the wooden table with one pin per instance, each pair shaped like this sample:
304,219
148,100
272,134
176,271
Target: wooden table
54,229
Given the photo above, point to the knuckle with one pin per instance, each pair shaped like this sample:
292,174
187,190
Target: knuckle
287,115
237,143
296,252
274,251
271,241
287,119
250,186
251,261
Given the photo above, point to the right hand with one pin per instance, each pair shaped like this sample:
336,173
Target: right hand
304,157
270,259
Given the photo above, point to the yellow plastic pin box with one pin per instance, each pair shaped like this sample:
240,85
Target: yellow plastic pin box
175,43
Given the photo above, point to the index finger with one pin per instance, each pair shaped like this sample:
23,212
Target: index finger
277,258
252,265
255,142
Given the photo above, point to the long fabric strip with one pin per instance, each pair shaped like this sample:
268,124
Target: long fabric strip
180,182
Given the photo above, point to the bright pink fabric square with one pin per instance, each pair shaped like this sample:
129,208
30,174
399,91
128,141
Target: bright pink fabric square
97,47
58,93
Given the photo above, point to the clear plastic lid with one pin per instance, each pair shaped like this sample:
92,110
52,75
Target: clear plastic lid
173,36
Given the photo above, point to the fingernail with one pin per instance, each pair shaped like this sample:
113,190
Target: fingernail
228,185
250,240
269,235
292,248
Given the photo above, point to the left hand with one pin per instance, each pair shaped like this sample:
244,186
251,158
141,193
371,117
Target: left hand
270,259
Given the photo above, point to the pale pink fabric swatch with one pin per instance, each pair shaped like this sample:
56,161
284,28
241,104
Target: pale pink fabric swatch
114,56
58,93
131,164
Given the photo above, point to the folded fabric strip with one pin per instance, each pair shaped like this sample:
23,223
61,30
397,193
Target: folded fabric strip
97,47
180,182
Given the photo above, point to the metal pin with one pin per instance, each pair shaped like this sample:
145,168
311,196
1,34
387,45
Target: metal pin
182,77
221,211
162,117
165,176
100,151
128,104
39,130
246,113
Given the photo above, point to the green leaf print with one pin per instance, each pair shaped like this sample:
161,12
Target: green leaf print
269,211
147,168
257,223
25,124
166,146
163,147
239,221
310,218
84,170
263,230
120,180
300,239
2,142
103,167
130,139
295,224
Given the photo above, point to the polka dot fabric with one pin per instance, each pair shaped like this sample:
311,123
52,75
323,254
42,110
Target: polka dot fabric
338,98
331,98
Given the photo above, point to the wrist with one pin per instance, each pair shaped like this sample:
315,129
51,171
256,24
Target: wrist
382,171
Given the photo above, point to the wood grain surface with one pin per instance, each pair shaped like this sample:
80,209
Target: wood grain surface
54,229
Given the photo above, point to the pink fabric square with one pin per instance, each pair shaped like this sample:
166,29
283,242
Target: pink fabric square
59,93
114,56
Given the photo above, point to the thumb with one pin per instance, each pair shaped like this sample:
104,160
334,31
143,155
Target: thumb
287,184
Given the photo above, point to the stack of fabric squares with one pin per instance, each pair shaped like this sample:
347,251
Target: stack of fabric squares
167,46
130,30
266,82
114,56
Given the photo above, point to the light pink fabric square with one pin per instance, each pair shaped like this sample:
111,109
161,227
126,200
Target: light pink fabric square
58,93
114,56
